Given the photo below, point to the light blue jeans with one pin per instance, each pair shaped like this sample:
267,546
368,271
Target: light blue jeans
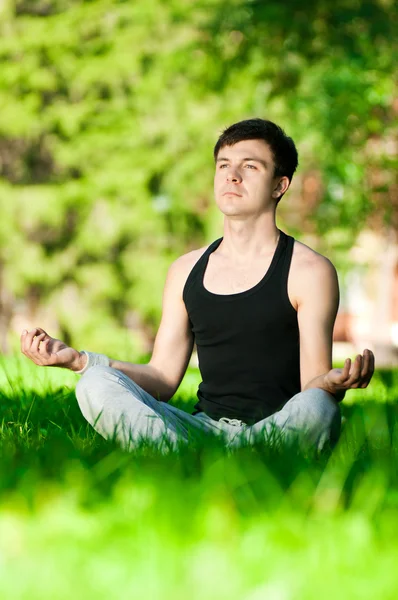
120,409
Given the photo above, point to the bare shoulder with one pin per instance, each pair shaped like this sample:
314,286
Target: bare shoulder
189,259
310,270
305,259
183,265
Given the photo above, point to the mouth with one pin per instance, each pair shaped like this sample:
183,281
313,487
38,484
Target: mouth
231,194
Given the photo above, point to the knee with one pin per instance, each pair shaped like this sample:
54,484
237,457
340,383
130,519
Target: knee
94,378
91,391
320,403
325,401
322,414
98,373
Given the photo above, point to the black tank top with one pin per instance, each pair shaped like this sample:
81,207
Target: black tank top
247,343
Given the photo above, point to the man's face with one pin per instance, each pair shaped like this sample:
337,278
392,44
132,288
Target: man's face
246,169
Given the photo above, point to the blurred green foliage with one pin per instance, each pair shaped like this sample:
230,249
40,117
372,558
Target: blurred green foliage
204,521
109,111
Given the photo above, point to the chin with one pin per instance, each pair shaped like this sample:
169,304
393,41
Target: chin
233,212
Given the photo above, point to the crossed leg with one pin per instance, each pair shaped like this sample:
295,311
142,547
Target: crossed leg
311,417
118,408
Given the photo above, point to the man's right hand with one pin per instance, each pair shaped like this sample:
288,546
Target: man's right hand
46,351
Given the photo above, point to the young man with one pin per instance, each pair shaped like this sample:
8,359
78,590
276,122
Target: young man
261,308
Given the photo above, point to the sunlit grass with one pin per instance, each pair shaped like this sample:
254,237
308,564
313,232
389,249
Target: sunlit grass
82,518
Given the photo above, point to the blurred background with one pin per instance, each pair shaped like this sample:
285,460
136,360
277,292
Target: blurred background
109,112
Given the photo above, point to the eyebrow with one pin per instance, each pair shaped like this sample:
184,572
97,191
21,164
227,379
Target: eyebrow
259,160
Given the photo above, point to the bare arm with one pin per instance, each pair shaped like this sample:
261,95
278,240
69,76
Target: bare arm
317,310
318,303
173,344
172,350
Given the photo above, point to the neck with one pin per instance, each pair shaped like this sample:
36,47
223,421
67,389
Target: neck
245,242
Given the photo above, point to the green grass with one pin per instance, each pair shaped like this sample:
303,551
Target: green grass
80,518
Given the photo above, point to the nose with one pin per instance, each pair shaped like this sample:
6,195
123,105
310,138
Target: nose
233,175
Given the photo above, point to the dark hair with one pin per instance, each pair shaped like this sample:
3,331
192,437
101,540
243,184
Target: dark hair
282,147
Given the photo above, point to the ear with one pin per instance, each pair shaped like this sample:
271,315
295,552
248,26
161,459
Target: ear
281,187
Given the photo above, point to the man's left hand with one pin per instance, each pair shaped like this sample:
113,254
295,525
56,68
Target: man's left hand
357,375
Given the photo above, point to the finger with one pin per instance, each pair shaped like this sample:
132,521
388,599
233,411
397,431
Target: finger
41,330
346,370
28,338
365,364
36,343
365,371
371,362
354,377
44,348
23,334
354,366
371,368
